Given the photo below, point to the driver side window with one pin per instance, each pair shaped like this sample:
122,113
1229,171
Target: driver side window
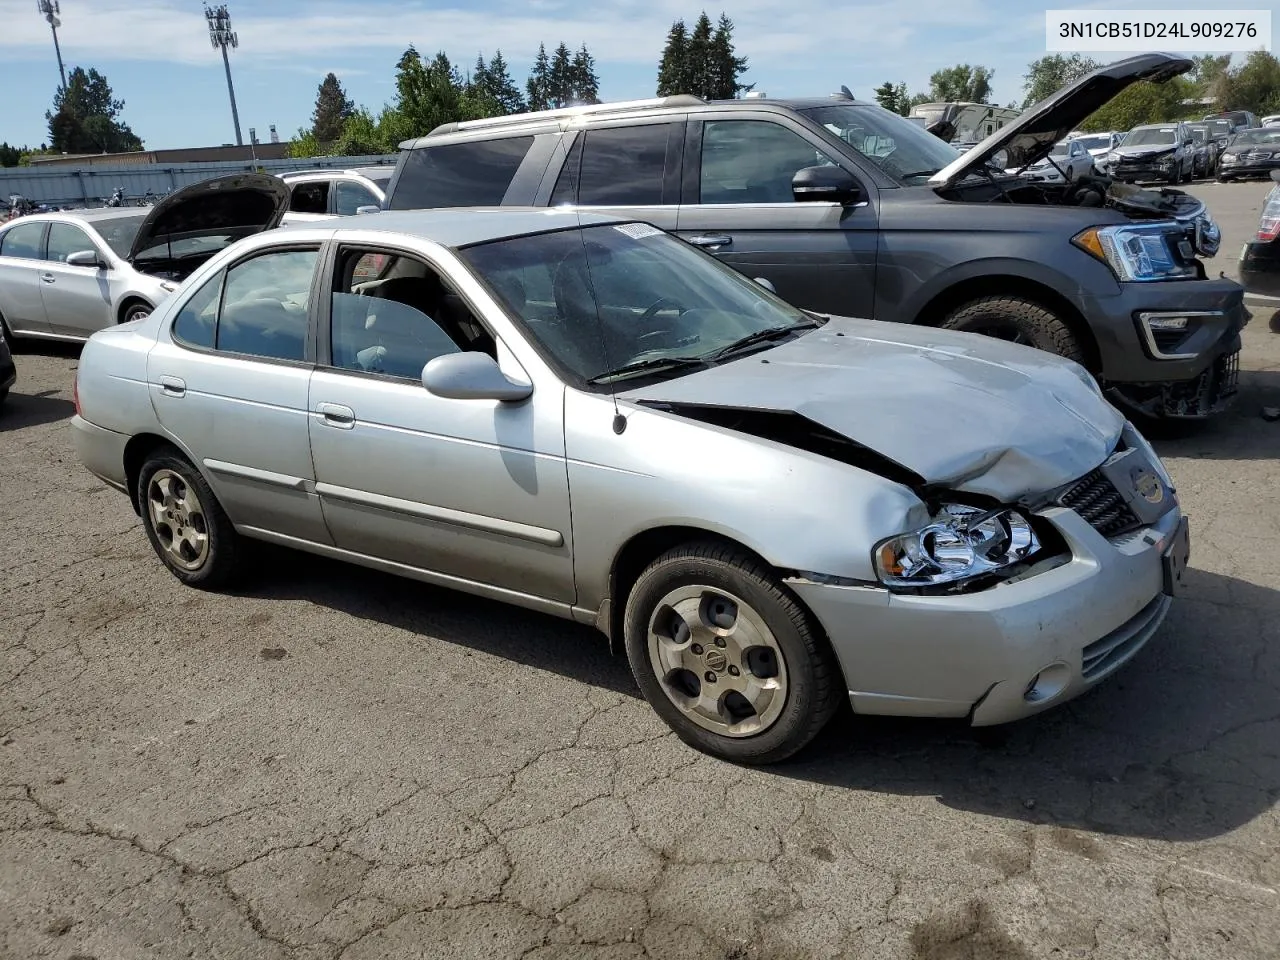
392,313
753,161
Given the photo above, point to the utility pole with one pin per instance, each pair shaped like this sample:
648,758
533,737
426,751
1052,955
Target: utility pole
222,36
49,10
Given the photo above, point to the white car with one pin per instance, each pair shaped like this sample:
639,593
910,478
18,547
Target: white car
1099,145
1068,161
320,194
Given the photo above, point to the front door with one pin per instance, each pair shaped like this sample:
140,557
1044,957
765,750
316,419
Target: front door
77,300
21,264
474,491
739,206
231,382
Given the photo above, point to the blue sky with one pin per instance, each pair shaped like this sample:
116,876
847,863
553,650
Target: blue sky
157,57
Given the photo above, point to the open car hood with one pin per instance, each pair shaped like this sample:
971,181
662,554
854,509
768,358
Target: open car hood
1032,134
237,204
959,411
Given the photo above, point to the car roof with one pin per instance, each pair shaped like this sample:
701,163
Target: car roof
462,226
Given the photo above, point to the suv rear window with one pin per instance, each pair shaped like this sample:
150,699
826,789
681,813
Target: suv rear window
472,174
618,166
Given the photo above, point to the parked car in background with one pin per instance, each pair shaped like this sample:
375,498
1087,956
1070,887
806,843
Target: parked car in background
65,275
1251,153
1154,151
1205,150
8,372
517,406
1067,161
1239,119
1098,145
317,194
1260,258
800,192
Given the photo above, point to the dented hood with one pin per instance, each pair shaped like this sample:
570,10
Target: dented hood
959,410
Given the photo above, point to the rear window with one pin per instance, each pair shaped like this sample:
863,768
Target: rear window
473,174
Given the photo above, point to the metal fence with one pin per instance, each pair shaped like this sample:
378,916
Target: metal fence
90,186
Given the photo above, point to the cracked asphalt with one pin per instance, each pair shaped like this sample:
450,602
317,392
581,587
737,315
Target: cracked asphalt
333,763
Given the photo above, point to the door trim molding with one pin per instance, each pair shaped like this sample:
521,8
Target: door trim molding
240,472
460,518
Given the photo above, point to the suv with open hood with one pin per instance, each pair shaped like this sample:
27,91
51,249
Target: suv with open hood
848,209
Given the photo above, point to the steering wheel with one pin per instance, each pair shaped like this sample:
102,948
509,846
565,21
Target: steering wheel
657,305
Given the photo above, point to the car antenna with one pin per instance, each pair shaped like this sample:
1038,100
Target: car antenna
619,421
846,91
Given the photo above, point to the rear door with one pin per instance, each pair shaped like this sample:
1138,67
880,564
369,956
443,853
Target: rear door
21,263
77,300
737,204
348,196
230,381
309,200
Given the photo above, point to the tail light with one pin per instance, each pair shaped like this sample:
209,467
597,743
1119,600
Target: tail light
75,392
1269,225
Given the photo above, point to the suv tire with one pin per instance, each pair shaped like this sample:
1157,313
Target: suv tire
1017,320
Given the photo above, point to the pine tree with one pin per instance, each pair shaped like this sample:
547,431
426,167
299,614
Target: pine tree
333,107
586,85
538,86
84,118
724,68
501,87
887,96
561,81
701,77
673,70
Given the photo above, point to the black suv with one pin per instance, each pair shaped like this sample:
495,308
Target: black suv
846,208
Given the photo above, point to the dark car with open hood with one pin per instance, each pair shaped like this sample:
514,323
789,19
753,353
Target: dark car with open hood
848,209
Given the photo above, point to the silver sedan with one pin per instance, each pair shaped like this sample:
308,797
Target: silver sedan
767,510
65,275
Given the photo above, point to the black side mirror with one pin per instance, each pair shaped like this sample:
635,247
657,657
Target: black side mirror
827,184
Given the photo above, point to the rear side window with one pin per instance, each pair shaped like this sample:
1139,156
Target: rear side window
22,241
616,166
310,197
472,174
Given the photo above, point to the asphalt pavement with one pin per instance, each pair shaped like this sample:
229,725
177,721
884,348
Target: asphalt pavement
330,762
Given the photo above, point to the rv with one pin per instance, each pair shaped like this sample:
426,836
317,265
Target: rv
965,122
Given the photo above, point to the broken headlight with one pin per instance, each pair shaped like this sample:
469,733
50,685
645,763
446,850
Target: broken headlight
959,543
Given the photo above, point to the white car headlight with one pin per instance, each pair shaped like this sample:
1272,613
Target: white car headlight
959,543
1137,252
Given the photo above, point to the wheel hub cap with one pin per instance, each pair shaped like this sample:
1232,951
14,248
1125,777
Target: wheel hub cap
178,519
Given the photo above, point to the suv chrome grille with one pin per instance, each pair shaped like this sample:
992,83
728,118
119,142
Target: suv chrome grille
1096,499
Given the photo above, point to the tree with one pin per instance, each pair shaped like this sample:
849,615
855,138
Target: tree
560,81
894,97
701,77
585,83
501,88
1209,73
332,110
1049,74
1253,86
427,94
961,83
673,70
85,117
725,67
362,136
1142,102
12,156
538,86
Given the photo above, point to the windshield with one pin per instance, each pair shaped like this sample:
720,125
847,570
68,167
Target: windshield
1093,143
901,149
604,297
1220,128
1199,134
119,232
187,247
1149,135
1258,135
379,177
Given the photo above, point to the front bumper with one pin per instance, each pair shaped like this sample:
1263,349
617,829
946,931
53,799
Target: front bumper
1260,268
100,451
1010,651
1262,168
1141,172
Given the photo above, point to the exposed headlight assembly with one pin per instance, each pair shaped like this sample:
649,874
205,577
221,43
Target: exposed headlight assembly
959,543
1138,252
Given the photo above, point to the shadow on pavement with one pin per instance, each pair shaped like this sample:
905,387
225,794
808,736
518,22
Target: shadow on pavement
29,410
1238,434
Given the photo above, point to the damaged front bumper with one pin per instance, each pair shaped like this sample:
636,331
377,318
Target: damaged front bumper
1015,649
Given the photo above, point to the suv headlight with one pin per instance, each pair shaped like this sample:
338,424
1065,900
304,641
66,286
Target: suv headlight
959,543
1137,252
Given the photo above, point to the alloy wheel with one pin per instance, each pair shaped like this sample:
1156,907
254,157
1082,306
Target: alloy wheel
178,518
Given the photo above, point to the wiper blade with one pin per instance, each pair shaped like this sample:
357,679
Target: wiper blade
652,365
919,173
761,336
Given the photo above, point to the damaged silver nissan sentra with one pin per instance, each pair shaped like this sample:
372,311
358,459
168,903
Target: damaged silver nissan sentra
768,509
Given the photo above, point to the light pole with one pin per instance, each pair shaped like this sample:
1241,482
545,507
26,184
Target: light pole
49,10
222,36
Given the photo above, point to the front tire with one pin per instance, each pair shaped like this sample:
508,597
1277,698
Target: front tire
1018,321
727,657
135,311
186,525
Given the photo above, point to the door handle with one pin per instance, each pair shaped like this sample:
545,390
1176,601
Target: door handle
48,278
711,240
336,415
173,386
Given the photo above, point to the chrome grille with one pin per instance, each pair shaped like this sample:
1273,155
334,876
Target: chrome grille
1096,499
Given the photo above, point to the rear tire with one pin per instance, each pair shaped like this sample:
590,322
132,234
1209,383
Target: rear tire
1019,321
186,525
135,311
705,621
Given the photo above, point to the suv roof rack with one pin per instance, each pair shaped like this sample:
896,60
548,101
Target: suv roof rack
678,100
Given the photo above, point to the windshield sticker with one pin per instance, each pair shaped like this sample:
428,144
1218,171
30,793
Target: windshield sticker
636,231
